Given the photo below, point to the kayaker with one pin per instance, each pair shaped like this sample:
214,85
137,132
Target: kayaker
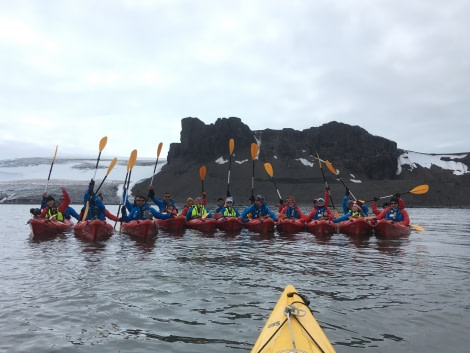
376,211
355,212
142,210
347,204
251,200
198,210
52,211
320,211
69,211
291,211
96,208
220,205
189,204
170,209
394,213
228,210
161,203
258,210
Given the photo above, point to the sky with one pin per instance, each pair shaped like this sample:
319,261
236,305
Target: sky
72,72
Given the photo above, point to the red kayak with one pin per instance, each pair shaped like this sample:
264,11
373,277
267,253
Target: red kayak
46,227
260,225
356,227
321,227
93,230
290,225
391,229
141,228
173,224
229,224
206,225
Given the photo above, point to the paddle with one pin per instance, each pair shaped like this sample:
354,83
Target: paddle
417,227
130,165
110,168
333,170
269,169
50,170
159,149
103,142
231,145
417,190
254,154
202,175
326,185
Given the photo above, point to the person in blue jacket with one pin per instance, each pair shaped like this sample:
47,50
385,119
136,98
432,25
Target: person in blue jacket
141,211
228,210
355,212
258,210
347,204
96,208
162,204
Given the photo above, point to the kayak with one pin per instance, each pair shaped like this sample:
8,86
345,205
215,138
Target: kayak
356,227
389,229
206,225
260,225
173,224
290,225
141,228
44,227
291,327
321,227
229,224
93,230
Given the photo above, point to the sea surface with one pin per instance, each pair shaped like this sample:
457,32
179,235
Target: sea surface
213,293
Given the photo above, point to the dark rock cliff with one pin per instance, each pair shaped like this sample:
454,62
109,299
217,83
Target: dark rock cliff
354,153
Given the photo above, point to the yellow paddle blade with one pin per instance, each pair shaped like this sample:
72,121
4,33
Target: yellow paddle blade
111,165
55,153
420,189
416,227
103,143
132,159
254,150
202,172
269,169
159,149
330,167
231,145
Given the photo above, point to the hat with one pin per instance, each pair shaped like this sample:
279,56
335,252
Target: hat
259,198
198,199
49,198
350,202
229,199
393,199
189,199
290,198
321,200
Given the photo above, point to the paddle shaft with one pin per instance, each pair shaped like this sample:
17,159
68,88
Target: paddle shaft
159,149
50,170
326,185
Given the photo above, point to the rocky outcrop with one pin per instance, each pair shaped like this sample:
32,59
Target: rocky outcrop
354,153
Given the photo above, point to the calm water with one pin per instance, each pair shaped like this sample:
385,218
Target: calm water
195,293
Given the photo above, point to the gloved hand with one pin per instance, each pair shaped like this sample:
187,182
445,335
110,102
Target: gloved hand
376,199
204,195
397,195
91,186
281,201
151,193
328,187
347,192
123,210
228,194
122,219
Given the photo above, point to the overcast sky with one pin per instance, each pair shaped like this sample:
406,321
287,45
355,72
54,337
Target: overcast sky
72,72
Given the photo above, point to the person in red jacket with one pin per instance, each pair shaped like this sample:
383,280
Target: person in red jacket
395,213
52,211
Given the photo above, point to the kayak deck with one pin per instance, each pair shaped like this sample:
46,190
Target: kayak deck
291,327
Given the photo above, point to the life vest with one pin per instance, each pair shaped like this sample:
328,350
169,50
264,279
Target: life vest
229,212
291,212
356,214
321,213
53,212
198,211
394,215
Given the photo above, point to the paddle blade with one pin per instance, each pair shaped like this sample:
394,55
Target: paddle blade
103,143
111,165
269,169
132,160
159,149
55,153
202,172
417,227
231,145
330,167
254,150
420,189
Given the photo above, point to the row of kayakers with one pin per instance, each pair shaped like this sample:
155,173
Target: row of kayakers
196,208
